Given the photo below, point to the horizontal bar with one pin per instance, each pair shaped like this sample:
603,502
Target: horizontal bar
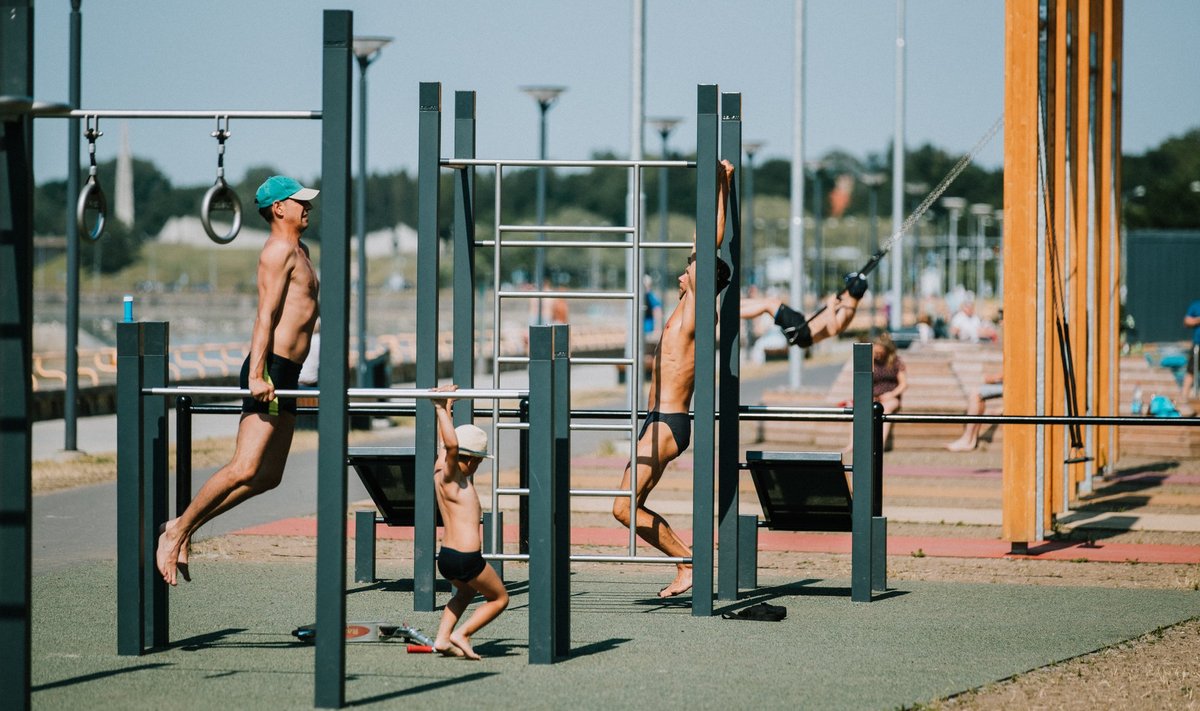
62,111
512,425
601,428
361,408
601,361
596,558
557,243
630,559
513,491
667,245
626,295
1048,420
783,409
550,163
569,229
574,361
393,393
602,492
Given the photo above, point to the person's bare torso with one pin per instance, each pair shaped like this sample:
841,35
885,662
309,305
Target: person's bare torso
674,377
459,503
292,337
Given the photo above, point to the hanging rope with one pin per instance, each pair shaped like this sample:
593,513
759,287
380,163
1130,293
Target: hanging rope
1057,287
922,208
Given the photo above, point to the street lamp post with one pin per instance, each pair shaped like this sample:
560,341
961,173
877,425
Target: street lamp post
956,206
545,96
367,50
981,211
664,126
873,181
751,148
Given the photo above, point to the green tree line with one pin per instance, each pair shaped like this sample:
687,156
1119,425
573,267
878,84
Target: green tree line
1160,191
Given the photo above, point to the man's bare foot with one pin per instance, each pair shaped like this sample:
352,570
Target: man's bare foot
166,555
458,639
447,649
960,445
681,584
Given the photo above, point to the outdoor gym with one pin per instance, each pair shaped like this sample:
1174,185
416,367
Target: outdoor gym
872,641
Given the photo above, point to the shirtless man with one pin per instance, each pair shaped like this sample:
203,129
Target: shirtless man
279,343
799,331
667,429
461,558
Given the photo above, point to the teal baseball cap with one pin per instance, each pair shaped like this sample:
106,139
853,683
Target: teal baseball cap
281,187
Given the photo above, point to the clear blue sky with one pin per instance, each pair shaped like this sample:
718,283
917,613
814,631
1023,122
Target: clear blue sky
220,54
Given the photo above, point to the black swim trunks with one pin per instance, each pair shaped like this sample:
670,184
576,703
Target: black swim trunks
794,325
284,374
456,565
679,423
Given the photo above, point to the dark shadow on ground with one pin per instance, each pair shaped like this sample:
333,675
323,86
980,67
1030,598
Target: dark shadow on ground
421,689
606,645
94,676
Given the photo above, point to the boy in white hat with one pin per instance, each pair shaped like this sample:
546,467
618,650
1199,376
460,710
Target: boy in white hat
461,558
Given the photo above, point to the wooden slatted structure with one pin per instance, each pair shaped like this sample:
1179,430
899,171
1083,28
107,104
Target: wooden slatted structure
1067,227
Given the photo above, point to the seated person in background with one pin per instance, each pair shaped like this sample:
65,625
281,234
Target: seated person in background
838,313
966,325
890,378
992,388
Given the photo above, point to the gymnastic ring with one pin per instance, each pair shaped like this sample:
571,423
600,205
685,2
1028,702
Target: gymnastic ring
91,198
221,197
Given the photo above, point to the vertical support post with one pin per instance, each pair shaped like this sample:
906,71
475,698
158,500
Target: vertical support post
748,552
729,467
131,595
332,420
183,454
523,479
71,394
16,352
1020,289
464,251
703,452
542,463
560,373
429,130
497,546
364,546
878,522
155,441
863,476
1108,280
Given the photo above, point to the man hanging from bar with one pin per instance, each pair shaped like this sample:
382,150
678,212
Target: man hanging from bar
279,343
666,432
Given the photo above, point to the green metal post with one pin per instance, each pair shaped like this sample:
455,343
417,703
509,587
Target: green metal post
864,484
542,465
560,368
748,552
16,344
429,152
878,520
332,420
71,393
364,546
703,451
494,547
729,468
464,251
155,493
131,473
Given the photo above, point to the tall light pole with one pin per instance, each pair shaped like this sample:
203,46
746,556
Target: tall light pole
796,198
956,206
71,394
366,49
545,96
664,126
982,213
873,181
751,148
895,320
